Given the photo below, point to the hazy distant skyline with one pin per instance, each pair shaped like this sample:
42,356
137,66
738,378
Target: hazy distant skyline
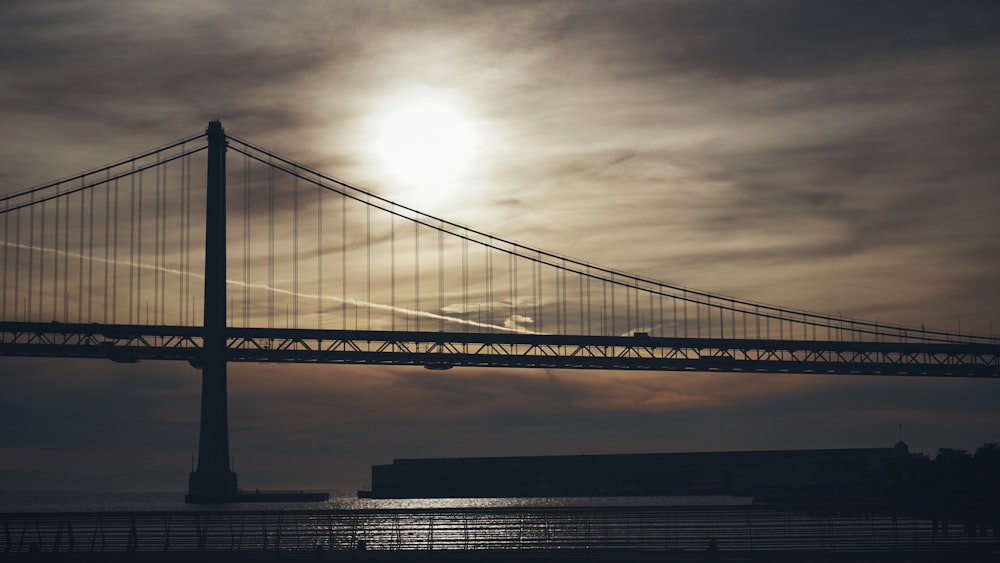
838,157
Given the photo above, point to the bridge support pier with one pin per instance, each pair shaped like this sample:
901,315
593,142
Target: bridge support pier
214,481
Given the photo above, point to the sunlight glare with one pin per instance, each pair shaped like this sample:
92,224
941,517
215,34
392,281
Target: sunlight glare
426,147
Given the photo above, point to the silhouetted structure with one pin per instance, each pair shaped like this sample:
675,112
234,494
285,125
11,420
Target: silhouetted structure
754,473
214,481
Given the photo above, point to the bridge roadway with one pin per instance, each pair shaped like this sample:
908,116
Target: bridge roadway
443,350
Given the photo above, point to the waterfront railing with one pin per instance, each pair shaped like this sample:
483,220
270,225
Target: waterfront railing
739,528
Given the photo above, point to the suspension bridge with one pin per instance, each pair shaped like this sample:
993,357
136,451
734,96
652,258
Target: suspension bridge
269,260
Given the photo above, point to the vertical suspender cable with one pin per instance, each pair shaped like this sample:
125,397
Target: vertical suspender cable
295,247
560,299
604,306
183,235
628,307
392,268
565,307
708,314
319,257
6,238
90,257
515,303
684,301
343,257
540,307
440,311
246,239
614,323
182,232
131,247
114,260
674,300
697,318
743,313
17,262
732,317
31,259
722,325
191,250
55,257
512,288
186,232
80,260
489,283
156,241
6,257
159,260
659,296
492,283
41,267
536,293
270,243
466,279
107,229
416,274
43,250
652,315
163,249
559,302
638,318
368,262
65,261
138,266
6,260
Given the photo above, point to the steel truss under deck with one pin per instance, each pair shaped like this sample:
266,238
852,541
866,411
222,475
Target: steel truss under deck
443,350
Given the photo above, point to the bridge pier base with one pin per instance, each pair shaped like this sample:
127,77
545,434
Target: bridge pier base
213,481
212,488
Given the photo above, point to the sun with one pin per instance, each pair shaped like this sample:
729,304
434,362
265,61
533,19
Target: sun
426,146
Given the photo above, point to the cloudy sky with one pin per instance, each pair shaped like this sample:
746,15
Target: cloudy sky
837,157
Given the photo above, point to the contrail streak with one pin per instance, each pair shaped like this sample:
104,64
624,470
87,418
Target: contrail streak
265,287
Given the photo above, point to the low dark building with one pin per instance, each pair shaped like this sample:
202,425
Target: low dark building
752,473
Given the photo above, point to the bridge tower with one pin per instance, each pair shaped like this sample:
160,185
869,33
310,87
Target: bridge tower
214,480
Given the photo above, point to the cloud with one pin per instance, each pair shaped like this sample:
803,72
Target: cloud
775,38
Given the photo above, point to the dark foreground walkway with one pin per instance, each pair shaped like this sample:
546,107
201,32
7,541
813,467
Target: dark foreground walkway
640,534
506,556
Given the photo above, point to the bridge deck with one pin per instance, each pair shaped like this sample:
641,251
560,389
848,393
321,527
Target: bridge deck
443,350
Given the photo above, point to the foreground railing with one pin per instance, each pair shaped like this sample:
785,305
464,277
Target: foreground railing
738,528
